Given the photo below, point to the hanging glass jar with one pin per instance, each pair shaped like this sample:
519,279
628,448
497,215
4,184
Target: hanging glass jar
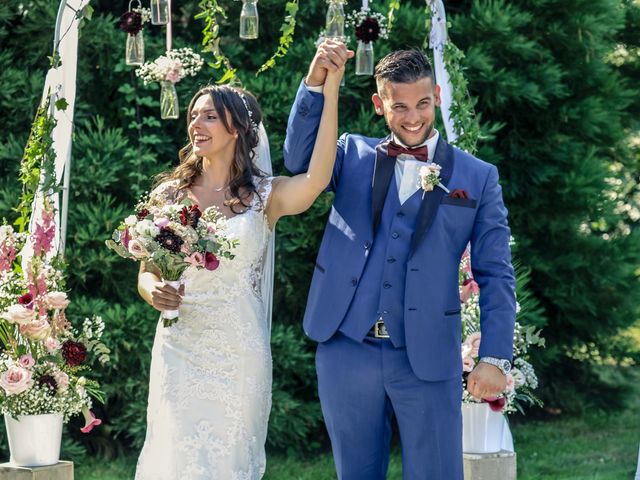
134,51
160,12
334,27
364,58
168,100
249,20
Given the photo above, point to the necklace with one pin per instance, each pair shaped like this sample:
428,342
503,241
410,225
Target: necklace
220,189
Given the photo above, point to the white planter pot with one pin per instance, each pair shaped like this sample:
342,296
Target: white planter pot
481,428
34,440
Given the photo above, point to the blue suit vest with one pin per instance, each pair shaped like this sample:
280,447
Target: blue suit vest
380,291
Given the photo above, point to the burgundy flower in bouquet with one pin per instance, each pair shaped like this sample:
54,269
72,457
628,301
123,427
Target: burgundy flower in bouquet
369,30
74,353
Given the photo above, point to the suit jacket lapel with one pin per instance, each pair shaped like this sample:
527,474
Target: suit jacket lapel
382,174
431,201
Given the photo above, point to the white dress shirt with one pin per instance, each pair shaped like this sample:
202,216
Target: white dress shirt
407,167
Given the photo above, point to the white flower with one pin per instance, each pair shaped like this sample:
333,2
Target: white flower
131,221
147,228
57,300
429,176
19,314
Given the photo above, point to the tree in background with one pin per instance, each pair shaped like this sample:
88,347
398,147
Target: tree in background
545,72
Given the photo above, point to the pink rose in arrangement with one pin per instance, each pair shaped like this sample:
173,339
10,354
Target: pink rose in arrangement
26,361
16,380
137,249
37,329
161,222
173,76
52,344
469,287
62,379
57,300
211,262
510,383
473,340
467,364
196,259
90,420
19,314
496,404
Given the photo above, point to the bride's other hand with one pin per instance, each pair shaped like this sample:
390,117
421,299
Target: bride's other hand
165,297
332,82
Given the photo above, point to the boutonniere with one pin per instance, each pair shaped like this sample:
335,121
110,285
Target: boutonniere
430,178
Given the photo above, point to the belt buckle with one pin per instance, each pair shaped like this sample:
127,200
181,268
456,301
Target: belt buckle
380,330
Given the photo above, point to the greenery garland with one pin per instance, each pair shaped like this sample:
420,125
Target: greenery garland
462,108
38,161
394,5
288,28
211,40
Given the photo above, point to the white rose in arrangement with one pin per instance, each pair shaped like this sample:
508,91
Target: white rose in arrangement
37,329
131,221
16,380
19,314
52,344
57,300
147,228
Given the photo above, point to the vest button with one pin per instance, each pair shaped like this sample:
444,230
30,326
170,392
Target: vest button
367,244
400,214
391,260
386,285
395,235
354,281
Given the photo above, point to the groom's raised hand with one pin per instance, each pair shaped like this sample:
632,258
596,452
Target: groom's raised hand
330,56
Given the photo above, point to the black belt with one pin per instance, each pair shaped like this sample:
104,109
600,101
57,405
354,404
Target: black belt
379,330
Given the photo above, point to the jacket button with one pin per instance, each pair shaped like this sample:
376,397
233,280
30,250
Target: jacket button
395,235
354,281
391,260
367,244
386,285
400,214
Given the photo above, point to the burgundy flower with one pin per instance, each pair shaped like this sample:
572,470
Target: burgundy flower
74,353
168,239
49,383
211,262
26,300
368,31
190,215
496,403
142,214
131,22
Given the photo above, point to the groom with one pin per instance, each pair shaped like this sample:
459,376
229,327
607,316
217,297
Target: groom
384,304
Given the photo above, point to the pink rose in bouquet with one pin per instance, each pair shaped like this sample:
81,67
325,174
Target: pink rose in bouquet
16,380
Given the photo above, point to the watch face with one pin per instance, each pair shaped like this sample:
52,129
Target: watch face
506,366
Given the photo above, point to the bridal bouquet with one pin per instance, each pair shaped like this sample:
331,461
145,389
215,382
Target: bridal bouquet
522,380
171,67
44,361
172,237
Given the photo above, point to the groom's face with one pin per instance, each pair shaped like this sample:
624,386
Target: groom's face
408,108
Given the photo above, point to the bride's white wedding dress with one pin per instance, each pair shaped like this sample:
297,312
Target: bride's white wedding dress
210,383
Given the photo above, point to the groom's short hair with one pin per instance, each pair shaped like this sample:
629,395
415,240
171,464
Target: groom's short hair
403,66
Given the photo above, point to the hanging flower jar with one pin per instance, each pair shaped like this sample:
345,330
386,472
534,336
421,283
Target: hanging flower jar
132,22
249,20
168,70
160,12
369,27
334,25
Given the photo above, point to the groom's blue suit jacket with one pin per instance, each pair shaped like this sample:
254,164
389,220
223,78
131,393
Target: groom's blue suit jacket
444,226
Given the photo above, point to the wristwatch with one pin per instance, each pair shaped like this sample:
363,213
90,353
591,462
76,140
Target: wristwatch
503,364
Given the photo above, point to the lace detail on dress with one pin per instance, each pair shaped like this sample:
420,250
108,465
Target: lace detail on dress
210,388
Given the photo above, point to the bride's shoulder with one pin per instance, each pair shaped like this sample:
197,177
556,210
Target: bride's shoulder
263,187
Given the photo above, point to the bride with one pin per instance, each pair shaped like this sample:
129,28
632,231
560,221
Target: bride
210,386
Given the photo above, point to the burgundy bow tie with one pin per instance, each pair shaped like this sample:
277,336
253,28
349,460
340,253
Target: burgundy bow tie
420,153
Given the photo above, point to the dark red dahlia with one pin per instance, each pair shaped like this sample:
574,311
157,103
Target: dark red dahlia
368,31
169,240
190,215
49,383
142,214
26,300
131,22
74,353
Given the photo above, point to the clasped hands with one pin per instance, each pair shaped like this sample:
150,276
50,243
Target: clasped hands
485,381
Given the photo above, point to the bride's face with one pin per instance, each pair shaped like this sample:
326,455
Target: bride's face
207,133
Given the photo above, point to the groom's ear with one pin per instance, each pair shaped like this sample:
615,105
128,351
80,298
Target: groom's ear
377,103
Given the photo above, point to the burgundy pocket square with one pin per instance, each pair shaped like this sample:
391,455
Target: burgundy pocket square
458,193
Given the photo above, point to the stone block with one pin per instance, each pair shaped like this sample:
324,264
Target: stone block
59,471
490,466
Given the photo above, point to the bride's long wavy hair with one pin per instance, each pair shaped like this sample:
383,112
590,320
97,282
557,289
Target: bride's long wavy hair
243,170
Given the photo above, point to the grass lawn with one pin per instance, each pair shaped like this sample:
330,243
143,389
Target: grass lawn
593,447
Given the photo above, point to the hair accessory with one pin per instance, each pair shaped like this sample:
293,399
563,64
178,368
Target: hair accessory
246,105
